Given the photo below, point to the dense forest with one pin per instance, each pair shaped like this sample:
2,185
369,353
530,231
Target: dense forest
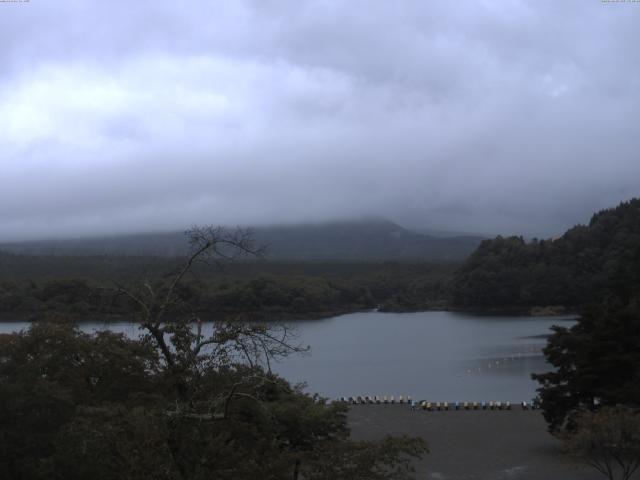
582,266
85,286
306,271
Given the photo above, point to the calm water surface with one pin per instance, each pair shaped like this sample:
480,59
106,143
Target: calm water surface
440,356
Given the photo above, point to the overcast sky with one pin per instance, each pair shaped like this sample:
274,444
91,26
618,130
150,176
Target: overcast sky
492,117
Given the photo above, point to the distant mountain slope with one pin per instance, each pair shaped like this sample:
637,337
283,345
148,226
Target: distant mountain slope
365,240
583,265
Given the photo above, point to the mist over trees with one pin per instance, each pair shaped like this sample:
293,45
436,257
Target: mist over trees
363,240
347,133
584,265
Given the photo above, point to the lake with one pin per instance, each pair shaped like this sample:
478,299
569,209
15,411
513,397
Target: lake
439,356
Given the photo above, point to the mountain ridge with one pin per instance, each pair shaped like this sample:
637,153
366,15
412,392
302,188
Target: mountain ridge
353,240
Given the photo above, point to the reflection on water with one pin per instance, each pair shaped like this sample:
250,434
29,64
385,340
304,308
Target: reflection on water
441,356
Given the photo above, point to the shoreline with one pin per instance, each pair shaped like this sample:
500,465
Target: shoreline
10,317
479,445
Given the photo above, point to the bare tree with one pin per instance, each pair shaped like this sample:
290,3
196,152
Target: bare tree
608,439
178,331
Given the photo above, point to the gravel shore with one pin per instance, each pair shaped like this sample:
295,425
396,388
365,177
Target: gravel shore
478,445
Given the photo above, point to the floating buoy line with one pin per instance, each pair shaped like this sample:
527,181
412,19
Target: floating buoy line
436,406
485,365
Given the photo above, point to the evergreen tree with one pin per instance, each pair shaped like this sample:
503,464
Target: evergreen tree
597,362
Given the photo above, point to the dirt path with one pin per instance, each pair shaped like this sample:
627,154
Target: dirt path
477,445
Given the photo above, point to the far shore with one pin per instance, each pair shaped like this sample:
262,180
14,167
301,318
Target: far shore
551,311
526,311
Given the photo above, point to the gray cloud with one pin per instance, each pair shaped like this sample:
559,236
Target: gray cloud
495,117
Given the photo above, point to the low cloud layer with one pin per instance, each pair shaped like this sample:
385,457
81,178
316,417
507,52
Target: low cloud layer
491,117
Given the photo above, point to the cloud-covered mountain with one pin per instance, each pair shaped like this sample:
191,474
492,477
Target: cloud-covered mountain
368,240
495,117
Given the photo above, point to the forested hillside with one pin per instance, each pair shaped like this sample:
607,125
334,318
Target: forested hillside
308,271
580,267
33,285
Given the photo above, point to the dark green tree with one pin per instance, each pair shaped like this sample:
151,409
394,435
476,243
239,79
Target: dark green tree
77,406
597,363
